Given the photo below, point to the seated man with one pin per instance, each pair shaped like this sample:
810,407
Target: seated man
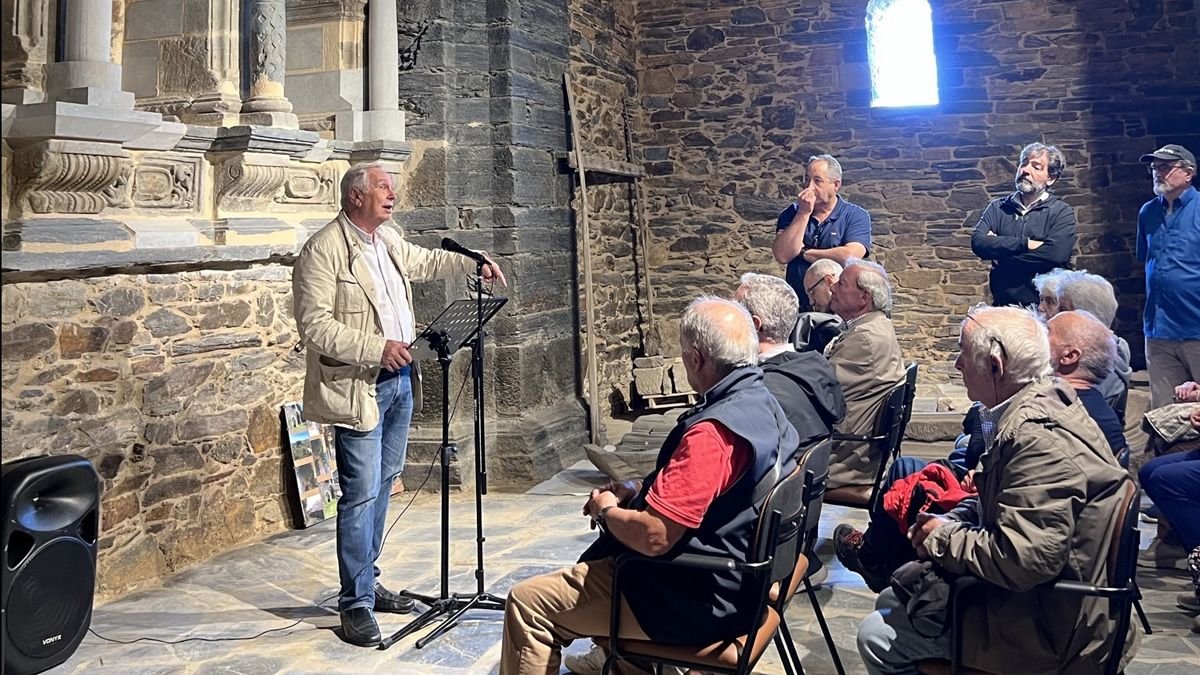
1082,352
1048,491
803,382
1046,284
816,329
1080,348
868,363
1093,293
699,499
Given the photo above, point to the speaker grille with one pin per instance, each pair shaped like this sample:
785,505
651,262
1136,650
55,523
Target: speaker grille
51,598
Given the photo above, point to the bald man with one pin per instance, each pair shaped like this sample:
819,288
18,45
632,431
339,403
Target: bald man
1082,352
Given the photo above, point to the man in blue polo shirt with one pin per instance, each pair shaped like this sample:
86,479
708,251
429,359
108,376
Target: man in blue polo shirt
1168,241
820,225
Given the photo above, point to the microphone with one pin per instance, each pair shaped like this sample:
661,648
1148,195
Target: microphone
449,244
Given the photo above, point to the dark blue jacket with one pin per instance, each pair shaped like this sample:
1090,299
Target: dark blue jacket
688,606
1002,236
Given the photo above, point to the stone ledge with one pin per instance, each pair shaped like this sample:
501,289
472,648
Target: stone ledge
20,266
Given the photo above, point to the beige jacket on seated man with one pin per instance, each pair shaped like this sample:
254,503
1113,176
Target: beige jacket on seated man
339,322
867,360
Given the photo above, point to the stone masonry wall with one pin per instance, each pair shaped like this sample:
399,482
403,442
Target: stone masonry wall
735,98
171,385
603,71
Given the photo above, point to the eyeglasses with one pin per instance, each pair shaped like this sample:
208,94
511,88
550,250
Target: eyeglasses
1162,169
812,288
991,336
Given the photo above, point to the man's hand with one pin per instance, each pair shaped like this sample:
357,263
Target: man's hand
491,271
1034,243
598,501
920,531
1194,419
806,201
1188,392
968,483
395,355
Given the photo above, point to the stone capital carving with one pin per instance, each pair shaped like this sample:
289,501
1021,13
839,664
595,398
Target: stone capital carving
70,177
249,181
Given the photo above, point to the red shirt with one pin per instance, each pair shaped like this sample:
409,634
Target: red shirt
709,460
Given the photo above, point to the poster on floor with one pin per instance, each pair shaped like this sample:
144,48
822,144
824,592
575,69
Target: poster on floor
314,463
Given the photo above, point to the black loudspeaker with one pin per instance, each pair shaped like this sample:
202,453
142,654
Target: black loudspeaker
51,519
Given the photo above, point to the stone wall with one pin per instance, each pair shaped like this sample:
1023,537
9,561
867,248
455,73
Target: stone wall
171,385
603,71
736,97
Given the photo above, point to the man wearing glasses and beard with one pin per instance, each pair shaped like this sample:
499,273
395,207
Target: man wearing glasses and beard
1168,241
1028,232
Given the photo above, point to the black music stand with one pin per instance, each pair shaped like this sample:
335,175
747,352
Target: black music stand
461,323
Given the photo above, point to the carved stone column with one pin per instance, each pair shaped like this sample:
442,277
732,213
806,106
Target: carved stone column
220,104
266,44
24,50
383,119
86,73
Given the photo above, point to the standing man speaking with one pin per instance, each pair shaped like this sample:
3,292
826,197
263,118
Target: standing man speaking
353,308
820,225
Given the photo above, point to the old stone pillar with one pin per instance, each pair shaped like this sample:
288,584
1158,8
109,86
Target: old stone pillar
266,44
86,73
220,104
383,119
24,50
383,56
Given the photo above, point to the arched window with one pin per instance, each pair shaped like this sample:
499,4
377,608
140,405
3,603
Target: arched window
900,53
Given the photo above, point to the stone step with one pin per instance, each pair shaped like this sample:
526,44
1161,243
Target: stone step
934,426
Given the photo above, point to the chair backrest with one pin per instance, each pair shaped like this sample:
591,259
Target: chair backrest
910,382
889,421
1123,547
814,490
779,533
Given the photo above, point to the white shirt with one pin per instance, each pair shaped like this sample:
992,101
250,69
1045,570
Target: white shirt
776,350
395,310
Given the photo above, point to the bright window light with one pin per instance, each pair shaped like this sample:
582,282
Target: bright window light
900,51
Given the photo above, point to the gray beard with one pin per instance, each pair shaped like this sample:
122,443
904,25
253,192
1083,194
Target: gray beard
1029,187
1160,189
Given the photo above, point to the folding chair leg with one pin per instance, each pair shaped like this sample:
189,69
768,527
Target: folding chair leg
791,647
783,654
812,597
1137,604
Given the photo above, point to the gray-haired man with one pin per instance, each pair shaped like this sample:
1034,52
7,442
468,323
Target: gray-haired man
820,224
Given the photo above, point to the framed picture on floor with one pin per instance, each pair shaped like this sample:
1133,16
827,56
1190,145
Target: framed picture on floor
314,464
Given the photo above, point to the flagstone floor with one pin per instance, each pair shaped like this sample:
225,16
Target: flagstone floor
288,581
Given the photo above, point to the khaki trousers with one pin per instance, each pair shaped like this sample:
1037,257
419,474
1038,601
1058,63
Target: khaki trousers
1171,363
546,613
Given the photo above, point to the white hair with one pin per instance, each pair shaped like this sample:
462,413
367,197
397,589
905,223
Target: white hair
1091,292
1049,282
1014,335
722,331
831,165
775,304
822,267
873,279
1096,343
355,178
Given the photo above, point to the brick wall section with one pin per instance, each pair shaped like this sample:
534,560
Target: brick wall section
736,97
603,70
171,386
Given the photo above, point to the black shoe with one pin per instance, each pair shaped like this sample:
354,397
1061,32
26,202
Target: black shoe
359,627
387,601
848,543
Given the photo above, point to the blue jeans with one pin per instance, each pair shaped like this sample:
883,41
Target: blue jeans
890,645
367,461
1173,482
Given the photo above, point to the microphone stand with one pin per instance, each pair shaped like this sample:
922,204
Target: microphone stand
455,605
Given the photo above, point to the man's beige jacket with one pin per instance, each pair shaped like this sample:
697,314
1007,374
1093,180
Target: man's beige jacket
338,320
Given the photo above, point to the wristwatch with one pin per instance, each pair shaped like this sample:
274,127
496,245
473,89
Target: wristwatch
602,516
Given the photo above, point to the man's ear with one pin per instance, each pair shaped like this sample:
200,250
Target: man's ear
997,365
757,322
1051,181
